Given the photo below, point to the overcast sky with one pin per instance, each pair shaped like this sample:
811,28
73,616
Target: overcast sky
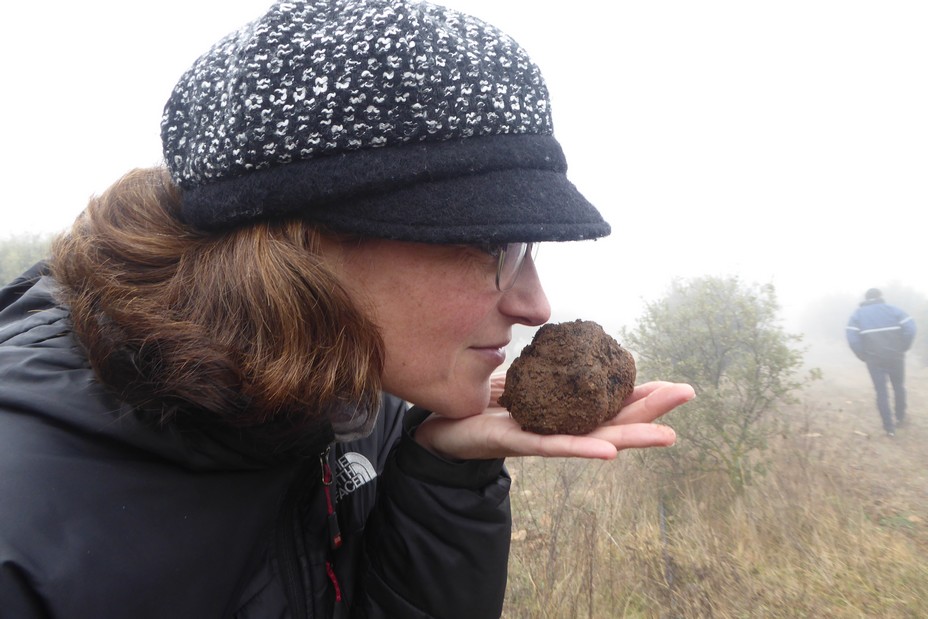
782,141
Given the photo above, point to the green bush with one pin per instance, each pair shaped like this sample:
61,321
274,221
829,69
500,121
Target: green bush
19,252
722,337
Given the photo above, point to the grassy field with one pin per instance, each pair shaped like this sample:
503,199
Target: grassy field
837,528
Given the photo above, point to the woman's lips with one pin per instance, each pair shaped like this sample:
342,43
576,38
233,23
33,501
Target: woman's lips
493,354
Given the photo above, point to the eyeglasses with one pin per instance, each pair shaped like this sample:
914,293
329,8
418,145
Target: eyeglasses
511,258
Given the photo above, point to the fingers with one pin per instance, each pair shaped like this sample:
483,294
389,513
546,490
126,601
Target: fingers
559,446
652,400
636,435
497,435
604,443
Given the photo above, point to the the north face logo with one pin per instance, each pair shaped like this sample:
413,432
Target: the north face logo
351,472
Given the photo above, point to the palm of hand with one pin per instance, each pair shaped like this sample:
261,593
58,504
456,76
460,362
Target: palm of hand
494,434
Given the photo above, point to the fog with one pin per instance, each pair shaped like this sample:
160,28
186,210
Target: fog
782,142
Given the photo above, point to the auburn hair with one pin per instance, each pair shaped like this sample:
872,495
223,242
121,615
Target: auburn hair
246,324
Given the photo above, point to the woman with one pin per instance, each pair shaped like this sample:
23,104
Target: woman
203,396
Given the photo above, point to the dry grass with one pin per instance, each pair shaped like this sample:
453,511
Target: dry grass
823,534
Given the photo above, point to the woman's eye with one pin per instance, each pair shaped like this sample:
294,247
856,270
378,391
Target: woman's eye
493,249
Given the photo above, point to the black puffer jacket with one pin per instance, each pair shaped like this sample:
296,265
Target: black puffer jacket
104,515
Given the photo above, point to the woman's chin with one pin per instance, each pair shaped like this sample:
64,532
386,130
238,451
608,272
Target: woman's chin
466,405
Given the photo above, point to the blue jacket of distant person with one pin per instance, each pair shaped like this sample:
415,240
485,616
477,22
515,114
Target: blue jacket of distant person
878,331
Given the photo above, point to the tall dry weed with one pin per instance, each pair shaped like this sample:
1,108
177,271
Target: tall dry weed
604,540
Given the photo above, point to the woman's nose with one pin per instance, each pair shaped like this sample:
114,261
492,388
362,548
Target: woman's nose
526,300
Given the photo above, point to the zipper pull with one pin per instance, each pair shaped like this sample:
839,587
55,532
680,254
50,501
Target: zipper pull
335,533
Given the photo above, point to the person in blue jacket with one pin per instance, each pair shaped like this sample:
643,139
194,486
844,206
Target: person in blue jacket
260,380
879,335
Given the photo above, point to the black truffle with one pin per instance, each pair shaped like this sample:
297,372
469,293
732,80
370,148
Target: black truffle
569,380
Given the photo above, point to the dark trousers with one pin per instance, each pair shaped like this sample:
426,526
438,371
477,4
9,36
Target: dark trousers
894,371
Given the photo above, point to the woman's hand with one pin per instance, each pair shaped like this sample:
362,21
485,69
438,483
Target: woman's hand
494,434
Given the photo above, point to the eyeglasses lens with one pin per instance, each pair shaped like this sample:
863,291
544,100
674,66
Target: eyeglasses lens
511,259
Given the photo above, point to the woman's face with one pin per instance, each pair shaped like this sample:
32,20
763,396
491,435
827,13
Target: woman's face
443,322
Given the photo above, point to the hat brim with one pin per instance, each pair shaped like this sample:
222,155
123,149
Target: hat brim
488,189
500,206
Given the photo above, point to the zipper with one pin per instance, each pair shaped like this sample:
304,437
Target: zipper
335,534
340,608
291,538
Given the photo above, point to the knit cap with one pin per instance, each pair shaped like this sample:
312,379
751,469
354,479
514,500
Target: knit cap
390,118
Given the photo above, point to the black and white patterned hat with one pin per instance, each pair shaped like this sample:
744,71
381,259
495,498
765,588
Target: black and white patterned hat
389,118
